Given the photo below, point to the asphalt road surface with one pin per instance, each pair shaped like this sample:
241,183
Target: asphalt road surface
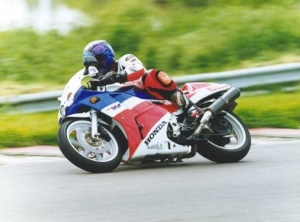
264,186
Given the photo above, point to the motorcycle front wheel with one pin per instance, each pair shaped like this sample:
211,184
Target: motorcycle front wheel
228,148
99,155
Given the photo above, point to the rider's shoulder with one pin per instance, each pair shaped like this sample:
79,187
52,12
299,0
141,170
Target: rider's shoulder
128,58
129,63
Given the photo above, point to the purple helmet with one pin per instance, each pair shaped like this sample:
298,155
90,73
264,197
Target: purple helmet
104,54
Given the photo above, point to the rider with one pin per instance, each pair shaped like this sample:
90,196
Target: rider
129,68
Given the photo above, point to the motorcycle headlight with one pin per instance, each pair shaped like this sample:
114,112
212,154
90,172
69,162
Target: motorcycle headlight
62,111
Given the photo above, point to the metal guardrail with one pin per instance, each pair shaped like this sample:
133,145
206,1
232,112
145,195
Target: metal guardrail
290,72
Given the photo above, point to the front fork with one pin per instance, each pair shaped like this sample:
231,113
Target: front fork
97,129
94,118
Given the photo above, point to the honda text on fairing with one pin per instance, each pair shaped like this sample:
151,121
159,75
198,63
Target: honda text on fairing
102,127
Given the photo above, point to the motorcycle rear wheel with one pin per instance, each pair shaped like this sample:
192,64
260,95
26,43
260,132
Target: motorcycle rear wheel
92,155
235,150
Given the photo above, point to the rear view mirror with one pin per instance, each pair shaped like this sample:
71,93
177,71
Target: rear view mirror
89,60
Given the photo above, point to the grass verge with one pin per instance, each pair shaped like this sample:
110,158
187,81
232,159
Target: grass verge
277,110
20,130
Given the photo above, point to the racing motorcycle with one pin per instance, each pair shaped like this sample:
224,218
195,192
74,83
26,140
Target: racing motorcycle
102,127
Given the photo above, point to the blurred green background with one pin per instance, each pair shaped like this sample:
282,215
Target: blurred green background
178,36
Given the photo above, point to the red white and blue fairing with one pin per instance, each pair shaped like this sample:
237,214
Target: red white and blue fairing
143,120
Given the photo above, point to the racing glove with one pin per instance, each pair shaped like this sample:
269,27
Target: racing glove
113,77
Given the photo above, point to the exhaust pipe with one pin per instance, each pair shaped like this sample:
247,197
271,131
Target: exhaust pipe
222,102
219,105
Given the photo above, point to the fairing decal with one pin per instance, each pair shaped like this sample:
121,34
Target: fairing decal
113,109
119,107
138,121
156,142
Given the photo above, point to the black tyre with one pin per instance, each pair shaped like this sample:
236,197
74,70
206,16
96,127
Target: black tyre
230,148
92,155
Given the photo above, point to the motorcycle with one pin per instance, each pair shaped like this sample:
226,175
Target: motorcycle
121,123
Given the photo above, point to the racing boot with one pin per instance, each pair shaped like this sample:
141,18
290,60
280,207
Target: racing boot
190,110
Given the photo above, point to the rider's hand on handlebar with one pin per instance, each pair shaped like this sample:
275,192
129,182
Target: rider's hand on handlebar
113,77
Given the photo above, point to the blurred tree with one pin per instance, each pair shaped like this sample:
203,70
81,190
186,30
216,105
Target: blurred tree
124,40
